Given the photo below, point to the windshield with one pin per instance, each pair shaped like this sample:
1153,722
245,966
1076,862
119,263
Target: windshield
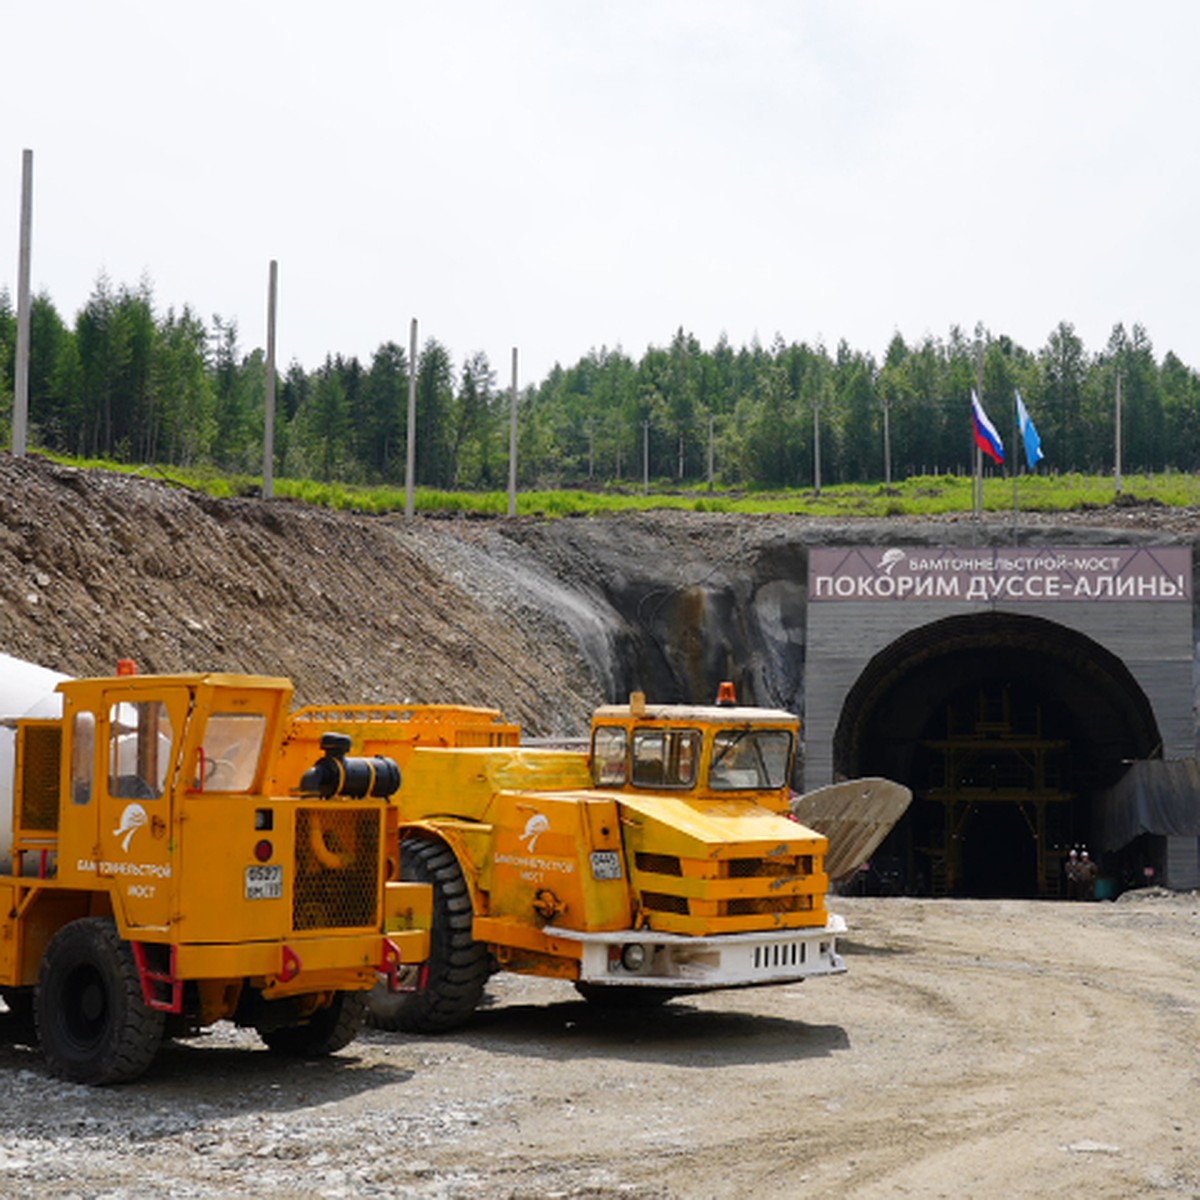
665,757
750,758
229,752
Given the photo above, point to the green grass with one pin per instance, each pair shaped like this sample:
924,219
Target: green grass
921,496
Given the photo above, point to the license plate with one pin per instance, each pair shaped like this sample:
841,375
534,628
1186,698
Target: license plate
606,864
264,883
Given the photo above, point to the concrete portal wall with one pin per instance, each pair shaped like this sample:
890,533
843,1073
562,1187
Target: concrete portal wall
1153,640
1182,863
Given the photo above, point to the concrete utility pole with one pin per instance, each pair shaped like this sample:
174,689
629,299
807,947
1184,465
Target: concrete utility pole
20,421
512,442
817,443
410,440
269,402
645,458
710,452
887,441
1117,472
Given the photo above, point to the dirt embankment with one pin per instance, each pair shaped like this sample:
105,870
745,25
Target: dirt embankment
543,619
96,566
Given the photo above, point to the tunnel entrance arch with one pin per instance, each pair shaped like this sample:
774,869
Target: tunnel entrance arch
1004,726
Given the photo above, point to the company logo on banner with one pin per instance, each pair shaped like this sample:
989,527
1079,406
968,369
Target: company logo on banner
998,575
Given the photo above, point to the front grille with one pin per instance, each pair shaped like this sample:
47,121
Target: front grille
740,894
337,868
780,954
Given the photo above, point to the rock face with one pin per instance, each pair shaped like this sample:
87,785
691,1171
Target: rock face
544,619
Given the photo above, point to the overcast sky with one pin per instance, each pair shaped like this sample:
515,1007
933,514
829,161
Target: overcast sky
558,175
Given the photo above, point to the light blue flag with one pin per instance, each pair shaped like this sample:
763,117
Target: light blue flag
1029,435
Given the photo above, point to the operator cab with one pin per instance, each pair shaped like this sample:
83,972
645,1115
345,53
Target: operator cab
721,748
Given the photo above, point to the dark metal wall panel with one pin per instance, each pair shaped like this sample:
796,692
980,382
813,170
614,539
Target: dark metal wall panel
1182,863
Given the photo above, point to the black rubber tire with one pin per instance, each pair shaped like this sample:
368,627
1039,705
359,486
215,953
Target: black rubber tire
618,996
327,1031
458,966
93,1024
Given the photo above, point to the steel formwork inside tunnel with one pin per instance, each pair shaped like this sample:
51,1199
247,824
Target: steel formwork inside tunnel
1004,726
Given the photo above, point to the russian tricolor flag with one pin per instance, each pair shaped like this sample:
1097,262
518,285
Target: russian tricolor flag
986,437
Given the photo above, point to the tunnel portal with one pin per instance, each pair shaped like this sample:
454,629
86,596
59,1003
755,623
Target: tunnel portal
1004,726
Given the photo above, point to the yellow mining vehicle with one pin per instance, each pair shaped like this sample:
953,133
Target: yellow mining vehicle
657,861
151,883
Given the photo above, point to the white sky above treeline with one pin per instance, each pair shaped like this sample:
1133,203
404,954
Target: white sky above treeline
557,175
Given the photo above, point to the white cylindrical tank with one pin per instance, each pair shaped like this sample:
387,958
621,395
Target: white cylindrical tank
26,690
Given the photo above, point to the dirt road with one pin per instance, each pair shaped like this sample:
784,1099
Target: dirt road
975,1049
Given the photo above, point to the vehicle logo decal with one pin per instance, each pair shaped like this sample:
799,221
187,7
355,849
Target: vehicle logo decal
132,819
534,828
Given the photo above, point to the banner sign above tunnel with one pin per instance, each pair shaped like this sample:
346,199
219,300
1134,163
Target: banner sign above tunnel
1000,575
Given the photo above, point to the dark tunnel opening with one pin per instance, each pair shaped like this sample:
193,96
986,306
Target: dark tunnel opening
1004,727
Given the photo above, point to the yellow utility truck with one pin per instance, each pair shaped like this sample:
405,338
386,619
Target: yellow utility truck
658,861
151,883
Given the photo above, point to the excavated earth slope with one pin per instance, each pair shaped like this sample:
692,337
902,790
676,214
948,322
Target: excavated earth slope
544,619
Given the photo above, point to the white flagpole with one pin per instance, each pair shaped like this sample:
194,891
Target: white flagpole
978,395
1015,464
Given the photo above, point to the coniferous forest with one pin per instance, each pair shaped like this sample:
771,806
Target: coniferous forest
128,382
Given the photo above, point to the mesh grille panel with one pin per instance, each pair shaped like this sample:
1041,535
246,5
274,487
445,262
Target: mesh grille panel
337,868
792,864
659,864
39,785
748,905
661,902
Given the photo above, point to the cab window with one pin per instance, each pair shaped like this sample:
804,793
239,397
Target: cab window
665,757
609,745
750,759
83,749
139,749
229,752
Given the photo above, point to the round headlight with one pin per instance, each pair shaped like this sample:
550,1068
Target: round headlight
633,957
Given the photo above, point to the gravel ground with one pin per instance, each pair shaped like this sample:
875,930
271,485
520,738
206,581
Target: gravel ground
974,1049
